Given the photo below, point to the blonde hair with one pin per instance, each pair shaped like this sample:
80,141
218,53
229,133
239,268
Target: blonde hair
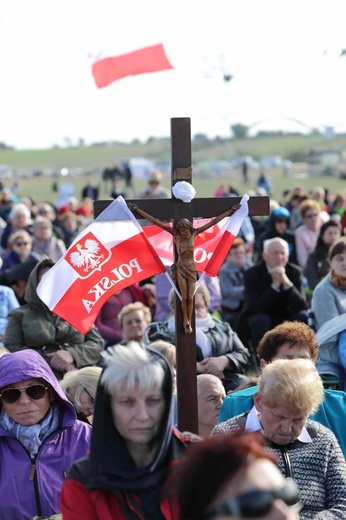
294,383
21,233
131,307
308,204
76,381
166,349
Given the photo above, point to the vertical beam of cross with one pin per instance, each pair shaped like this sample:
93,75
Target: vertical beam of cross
185,344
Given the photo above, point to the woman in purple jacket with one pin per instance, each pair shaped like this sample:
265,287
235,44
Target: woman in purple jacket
40,437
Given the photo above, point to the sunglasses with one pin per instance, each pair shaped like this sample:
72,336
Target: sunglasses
11,395
258,503
21,243
92,399
281,220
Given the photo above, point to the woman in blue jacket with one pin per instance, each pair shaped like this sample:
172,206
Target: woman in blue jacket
40,437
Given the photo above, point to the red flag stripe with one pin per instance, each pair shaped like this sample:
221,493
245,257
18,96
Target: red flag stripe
217,259
145,60
228,234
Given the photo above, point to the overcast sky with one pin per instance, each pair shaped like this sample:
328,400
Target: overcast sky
283,55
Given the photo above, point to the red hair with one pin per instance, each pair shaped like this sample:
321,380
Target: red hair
210,464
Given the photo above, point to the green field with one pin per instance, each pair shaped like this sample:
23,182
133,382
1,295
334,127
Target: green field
92,160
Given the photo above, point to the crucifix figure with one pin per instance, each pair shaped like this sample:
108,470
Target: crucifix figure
184,270
177,210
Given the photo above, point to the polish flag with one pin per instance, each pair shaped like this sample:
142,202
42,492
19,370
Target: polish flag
227,235
133,51
205,243
109,255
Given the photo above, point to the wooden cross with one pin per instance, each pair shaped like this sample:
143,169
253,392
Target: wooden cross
167,209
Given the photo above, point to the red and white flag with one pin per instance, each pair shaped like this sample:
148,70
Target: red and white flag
129,52
212,243
227,235
109,255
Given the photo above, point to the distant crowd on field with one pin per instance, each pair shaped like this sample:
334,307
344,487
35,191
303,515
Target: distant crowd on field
89,423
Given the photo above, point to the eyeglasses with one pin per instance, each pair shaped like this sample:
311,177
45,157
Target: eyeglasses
311,215
258,503
281,220
92,399
21,243
11,395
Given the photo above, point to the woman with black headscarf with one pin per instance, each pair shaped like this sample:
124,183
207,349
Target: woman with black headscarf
134,447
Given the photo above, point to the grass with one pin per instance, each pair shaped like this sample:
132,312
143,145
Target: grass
41,188
95,158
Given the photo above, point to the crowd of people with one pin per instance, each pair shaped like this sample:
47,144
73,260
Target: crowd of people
89,424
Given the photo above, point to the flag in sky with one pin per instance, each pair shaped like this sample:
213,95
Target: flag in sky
227,235
129,51
108,69
109,255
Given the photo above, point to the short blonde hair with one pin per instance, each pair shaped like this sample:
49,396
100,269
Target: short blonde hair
76,381
167,349
294,383
21,233
131,307
308,204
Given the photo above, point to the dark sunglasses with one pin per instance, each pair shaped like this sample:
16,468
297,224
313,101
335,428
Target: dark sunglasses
21,243
258,503
92,399
281,220
11,395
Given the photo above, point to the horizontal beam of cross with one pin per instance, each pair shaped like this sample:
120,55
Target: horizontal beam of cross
200,208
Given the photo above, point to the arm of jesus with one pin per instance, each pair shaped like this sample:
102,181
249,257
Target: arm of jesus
150,218
215,220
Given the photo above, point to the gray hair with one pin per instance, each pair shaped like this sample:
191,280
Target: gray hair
130,365
275,240
20,209
76,381
42,221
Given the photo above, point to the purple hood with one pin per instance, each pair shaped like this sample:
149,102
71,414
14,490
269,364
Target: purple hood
27,364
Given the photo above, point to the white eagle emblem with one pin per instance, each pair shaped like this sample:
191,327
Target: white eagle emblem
87,256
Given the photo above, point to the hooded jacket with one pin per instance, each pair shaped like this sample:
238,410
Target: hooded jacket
107,484
32,487
34,326
271,232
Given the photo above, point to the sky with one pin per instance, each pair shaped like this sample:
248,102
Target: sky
283,56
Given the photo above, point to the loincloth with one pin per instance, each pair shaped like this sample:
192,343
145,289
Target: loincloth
185,271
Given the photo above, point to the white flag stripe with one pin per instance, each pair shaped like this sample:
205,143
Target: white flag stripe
102,227
233,224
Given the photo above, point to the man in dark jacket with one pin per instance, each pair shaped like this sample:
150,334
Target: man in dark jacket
273,291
